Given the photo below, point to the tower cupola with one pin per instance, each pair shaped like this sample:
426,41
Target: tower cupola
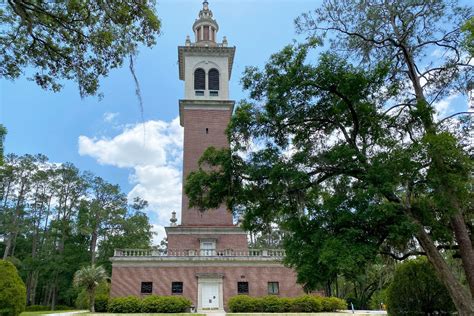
205,27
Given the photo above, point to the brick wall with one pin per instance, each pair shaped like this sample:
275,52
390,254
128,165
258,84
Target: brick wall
127,280
196,140
224,241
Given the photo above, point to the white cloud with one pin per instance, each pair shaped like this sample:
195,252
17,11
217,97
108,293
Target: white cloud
109,117
154,152
159,234
444,107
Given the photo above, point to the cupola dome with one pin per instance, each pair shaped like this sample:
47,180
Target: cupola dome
205,27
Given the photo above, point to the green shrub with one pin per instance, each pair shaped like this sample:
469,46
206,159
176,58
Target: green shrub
415,289
245,304
129,304
332,304
101,303
379,297
12,290
286,303
275,304
64,308
271,304
165,304
82,300
37,308
305,304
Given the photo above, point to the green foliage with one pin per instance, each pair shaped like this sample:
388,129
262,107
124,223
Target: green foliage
332,304
37,308
378,298
82,300
243,304
52,241
101,303
307,304
64,308
149,304
89,278
3,132
468,29
344,152
416,289
129,304
165,304
275,304
12,290
77,40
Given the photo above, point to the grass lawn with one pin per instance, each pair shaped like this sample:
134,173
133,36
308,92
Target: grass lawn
108,314
143,314
43,313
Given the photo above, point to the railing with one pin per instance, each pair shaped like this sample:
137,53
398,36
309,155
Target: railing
262,253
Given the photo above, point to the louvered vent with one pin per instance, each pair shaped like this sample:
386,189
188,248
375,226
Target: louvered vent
213,79
199,79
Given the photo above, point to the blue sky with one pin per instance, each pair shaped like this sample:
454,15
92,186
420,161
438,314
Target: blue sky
106,137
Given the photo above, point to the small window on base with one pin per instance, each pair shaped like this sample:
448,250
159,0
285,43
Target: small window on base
177,288
242,288
199,93
146,288
214,93
273,288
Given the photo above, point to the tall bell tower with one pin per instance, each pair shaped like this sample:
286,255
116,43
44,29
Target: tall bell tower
205,66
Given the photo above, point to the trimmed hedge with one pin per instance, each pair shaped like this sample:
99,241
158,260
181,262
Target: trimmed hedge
150,304
12,290
43,308
37,308
101,303
128,304
275,304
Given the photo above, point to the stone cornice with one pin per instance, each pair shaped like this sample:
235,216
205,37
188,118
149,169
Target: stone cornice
183,230
168,261
204,51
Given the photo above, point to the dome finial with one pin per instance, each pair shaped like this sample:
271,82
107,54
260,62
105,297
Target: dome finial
205,5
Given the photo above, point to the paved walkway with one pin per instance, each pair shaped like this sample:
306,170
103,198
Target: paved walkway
68,313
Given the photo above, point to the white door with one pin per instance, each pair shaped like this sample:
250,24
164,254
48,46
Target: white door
210,295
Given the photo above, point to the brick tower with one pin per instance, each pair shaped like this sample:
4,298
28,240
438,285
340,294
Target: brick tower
205,66
208,259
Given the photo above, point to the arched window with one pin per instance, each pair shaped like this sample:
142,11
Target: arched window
199,79
214,79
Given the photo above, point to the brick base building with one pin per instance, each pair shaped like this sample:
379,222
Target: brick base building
208,259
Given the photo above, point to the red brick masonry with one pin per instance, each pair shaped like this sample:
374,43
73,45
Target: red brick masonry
127,279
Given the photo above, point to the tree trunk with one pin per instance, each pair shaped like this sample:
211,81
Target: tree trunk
93,246
465,248
460,296
7,247
92,301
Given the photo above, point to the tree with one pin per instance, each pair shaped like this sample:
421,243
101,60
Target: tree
132,230
98,215
468,29
77,40
3,132
341,170
90,277
415,289
12,290
50,235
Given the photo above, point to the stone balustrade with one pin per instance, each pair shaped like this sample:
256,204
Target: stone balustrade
254,253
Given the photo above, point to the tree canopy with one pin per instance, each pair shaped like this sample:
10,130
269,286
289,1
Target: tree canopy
344,151
54,219
78,40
